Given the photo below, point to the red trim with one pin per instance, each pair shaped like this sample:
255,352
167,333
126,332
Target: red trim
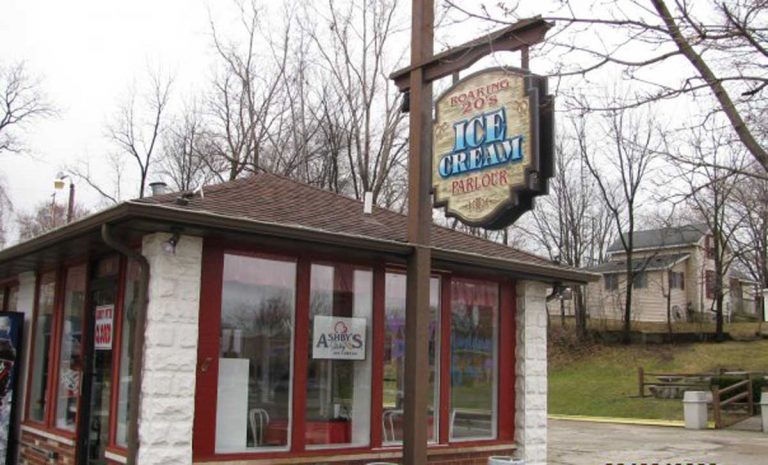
300,355
506,371
53,362
445,359
204,429
377,359
205,404
33,337
117,341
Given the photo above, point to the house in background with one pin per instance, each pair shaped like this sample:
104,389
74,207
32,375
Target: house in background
674,265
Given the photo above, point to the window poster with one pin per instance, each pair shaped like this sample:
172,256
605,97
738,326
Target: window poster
337,338
11,324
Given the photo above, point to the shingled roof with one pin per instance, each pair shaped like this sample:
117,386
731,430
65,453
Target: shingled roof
276,199
664,237
652,263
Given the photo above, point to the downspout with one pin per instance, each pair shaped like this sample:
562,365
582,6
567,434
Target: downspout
138,339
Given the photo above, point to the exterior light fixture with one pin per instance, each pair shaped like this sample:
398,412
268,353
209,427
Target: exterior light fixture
59,184
169,246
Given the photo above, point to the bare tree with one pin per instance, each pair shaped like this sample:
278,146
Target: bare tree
242,105
571,223
186,151
626,159
669,50
751,238
711,194
45,217
5,208
352,39
139,125
21,102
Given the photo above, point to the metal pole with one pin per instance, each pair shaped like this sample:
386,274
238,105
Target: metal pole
419,224
71,202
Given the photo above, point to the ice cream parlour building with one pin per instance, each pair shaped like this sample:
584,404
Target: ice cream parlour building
262,321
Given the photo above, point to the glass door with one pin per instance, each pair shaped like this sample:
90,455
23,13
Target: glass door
97,382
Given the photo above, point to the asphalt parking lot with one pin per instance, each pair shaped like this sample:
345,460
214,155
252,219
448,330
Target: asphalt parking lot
589,443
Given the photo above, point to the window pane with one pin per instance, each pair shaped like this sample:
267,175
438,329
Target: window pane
474,342
38,390
13,298
71,350
255,364
130,307
394,358
338,390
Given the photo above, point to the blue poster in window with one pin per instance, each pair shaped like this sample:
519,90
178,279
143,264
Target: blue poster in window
11,324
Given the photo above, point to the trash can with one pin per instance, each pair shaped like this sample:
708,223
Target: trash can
695,409
504,460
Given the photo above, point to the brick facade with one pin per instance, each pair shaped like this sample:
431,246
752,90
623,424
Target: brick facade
41,448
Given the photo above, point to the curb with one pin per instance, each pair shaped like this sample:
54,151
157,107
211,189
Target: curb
624,421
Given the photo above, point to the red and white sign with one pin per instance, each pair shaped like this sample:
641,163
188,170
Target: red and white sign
102,332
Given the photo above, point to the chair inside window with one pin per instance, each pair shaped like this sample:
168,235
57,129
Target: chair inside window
258,419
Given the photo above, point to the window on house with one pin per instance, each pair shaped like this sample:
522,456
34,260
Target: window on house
338,409
394,358
611,282
10,298
640,280
709,245
676,280
43,336
474,345
130,306
710,284
255,364
71,349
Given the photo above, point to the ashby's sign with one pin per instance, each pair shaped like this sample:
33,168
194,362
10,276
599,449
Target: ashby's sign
338,338
492,147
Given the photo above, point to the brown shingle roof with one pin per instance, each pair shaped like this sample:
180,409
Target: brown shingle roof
270,198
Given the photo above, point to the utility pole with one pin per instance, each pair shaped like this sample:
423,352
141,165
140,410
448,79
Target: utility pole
419,224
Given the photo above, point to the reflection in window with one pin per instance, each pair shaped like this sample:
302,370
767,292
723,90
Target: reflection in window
42,340
394,358
474,341
339,391
130,307
71,349
12,298
254,390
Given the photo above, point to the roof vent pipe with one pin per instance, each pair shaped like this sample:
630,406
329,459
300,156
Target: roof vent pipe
158,188
368,203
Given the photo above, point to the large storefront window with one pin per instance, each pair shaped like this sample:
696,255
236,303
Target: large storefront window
394,358
38,391
255,364
474,359
338,409
71,349
130,306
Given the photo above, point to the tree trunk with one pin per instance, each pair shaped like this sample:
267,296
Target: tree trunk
580,312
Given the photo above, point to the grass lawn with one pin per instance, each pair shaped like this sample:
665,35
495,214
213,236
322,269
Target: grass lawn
602,380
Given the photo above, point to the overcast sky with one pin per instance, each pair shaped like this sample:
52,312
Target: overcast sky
87,54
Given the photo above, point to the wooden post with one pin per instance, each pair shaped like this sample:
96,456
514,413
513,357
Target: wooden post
716,406
641,381
419,224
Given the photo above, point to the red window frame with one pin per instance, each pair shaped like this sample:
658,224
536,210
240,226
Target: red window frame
204,429
49,423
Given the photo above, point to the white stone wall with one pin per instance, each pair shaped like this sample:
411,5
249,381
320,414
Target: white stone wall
531,373
170,351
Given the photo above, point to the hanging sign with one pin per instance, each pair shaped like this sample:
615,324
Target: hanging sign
338,338
492,147
103,328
